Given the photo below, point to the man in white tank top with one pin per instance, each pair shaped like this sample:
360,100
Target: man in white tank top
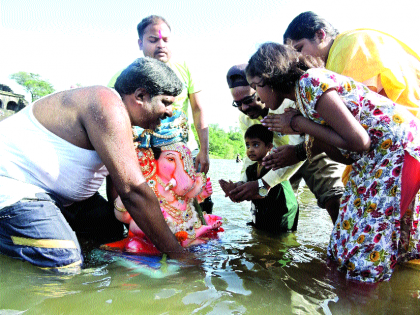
55,154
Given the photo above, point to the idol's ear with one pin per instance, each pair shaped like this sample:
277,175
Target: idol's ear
140,42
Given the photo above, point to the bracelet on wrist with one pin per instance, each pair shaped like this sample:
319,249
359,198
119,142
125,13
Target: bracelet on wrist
300,151
292,121
116,207
309,141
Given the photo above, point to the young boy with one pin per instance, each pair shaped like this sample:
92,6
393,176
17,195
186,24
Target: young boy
274,212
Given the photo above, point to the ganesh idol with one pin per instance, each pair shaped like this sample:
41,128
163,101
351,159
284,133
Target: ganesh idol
168,168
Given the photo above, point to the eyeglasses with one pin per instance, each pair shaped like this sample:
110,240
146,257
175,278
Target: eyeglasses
246,100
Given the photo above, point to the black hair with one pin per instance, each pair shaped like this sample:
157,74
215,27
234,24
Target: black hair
156,152
150,74
151,19
260,132
237,78
305,25
280,66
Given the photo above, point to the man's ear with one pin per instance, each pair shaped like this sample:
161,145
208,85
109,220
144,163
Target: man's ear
140,42
320,34
269,146
139,94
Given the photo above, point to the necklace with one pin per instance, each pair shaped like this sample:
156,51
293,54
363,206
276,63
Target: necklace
177,197
178,215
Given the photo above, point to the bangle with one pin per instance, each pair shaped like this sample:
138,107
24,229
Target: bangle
300,151
309,143
119,208
291,122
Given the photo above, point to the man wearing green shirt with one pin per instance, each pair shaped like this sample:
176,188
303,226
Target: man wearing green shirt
155,42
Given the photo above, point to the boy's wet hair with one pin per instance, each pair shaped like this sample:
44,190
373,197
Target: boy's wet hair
150,74
260,132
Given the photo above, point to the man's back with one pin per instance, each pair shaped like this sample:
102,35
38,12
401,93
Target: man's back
67,113
47,145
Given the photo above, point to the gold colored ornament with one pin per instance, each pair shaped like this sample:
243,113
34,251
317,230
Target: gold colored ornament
116,207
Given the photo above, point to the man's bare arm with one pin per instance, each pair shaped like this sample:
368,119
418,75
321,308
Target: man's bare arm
109,130
202,132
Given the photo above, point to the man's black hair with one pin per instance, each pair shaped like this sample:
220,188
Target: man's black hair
151,19
150,74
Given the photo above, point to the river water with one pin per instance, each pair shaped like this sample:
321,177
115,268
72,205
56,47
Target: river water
243,272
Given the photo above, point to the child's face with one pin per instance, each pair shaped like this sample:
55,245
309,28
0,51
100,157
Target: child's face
256,149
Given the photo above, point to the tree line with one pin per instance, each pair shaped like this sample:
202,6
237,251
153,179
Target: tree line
224,144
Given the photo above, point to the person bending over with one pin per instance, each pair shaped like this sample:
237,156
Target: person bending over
55,155
377,225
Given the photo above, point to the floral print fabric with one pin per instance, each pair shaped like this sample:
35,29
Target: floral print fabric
370,237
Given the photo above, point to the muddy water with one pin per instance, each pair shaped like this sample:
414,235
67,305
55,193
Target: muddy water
244,272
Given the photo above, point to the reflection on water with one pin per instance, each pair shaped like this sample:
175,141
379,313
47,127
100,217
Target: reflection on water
244,272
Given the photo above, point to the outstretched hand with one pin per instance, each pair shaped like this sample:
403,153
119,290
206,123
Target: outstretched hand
280,122
246,191
282,156
227,187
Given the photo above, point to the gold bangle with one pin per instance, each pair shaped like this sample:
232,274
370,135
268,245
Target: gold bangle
118,208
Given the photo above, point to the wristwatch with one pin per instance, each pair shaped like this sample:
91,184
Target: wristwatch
262,191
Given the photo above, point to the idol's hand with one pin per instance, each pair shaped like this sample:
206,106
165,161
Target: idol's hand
206,192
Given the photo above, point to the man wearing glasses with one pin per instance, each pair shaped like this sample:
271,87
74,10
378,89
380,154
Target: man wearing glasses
322,175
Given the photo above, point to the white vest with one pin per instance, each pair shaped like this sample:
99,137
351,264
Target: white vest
31,154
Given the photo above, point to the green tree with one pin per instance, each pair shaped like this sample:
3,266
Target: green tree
222,144
33,84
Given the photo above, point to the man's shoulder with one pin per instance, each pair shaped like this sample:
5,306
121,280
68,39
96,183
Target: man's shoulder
246,121
180,67
100,99
286,104
101,91
178,63
187,74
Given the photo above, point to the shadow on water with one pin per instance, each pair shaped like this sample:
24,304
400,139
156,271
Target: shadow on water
246,271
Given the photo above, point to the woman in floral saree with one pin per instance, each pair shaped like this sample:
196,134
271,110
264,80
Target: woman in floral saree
377,223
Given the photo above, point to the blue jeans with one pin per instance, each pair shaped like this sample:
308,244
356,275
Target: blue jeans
43,232
36,231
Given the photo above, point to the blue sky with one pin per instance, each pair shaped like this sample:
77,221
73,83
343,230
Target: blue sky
87,42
